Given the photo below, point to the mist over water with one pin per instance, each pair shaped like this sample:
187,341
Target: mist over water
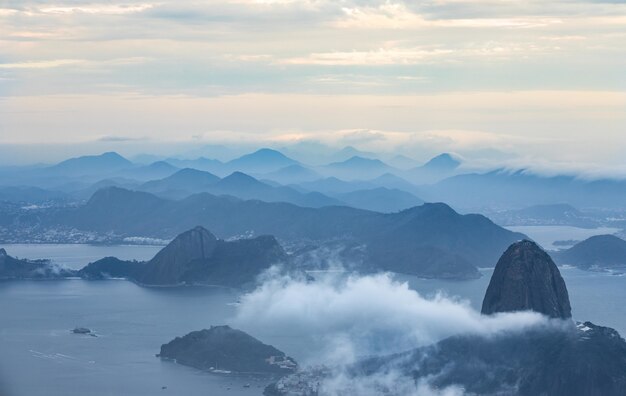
351,316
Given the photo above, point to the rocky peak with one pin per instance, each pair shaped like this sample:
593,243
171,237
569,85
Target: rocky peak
174,259
197,243
3,253
526,278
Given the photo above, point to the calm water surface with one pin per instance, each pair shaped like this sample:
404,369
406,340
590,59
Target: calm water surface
547,235
41,357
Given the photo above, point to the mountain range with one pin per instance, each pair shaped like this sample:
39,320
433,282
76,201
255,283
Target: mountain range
431,240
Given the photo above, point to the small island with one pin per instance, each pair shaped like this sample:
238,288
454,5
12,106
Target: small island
222,349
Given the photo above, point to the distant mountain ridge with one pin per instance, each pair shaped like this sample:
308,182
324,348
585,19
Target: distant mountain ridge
431,240
238,184
522,188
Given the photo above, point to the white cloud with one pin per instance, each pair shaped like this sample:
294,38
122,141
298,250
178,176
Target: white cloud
399,16
55,63
358,316
44,64
103,8
381,56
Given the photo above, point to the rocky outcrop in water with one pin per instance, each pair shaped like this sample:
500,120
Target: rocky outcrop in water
198,257
195,257
526,278
223,349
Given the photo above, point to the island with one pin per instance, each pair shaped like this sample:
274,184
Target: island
222,349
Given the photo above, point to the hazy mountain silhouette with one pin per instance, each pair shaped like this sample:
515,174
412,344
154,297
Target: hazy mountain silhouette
436,169
380,199
186,182
155,170
261,161
518,189
190,181
598,252
292,174
357,168
30,195
333,185
91,164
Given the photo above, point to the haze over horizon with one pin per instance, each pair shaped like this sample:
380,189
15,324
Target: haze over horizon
512,83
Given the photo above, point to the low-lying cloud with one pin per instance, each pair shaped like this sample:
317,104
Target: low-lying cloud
349,317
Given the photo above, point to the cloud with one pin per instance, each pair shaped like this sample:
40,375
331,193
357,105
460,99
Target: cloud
350,317
57,63
400,16
381,56
93,9
44,64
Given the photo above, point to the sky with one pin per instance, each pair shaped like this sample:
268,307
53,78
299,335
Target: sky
518,81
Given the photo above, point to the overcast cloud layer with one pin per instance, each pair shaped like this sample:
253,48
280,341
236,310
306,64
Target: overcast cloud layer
534,79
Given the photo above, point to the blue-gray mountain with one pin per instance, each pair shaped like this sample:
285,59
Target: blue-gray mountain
196,257
431,240
519,189
599,252
191,181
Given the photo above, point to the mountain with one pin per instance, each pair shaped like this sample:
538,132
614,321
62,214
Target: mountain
380,199
597,252
261,161
86,193
402,162
155,170
224,349
200,163
91,164
431,240
198,257
357,168
442,162
436,169
14,268
349,152
195,257
186,182
244,186
111,268
526,278
333,185
559,357
554,214
191,181
30,195
518,189
389,180
292,174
